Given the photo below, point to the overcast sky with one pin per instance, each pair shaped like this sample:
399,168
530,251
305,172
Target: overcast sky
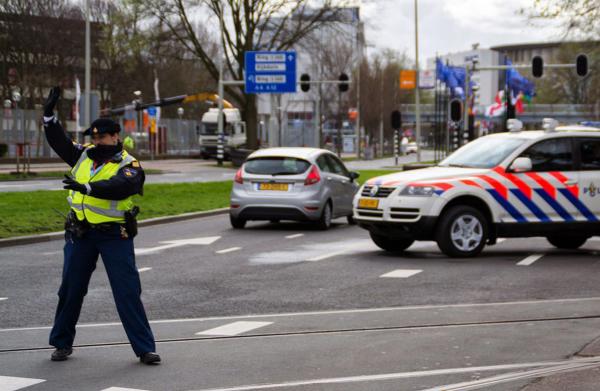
447,26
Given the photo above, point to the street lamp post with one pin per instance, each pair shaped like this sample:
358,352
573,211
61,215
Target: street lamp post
180,112
417,98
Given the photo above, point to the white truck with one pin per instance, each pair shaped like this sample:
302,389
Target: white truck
234,130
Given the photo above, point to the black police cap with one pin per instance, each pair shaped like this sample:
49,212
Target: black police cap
102,125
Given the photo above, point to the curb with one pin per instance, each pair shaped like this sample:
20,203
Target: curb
30,239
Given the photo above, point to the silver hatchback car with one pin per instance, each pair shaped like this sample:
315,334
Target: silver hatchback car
302,184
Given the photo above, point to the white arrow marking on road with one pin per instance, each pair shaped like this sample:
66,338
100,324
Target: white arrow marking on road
178,243
228,250
8,383
530,259
234,328
402,273
294,236
144,269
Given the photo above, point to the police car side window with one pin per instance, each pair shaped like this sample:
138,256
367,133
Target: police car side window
551,155
590,154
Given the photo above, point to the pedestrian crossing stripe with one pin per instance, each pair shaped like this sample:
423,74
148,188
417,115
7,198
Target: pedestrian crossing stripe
234,328
8,383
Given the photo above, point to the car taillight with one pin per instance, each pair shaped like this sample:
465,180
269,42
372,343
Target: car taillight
313,176
238,177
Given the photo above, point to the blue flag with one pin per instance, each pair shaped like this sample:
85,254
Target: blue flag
517,83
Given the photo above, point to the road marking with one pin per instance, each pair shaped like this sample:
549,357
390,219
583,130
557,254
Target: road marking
121,389
333,312
408,375
530,259
8,383
234,328
402,273
514,376
3,298
498,241
178,243
228,250
294,236
325,256
144,269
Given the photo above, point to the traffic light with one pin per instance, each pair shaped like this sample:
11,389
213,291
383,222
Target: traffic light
343,86
305,82
455,110
537,66
581,65
396,120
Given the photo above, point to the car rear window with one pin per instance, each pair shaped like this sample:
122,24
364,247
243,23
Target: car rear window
276,166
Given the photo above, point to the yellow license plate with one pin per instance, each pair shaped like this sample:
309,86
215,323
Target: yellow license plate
273,186
368,203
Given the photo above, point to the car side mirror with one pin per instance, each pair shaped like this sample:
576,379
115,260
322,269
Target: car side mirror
521,164
354,175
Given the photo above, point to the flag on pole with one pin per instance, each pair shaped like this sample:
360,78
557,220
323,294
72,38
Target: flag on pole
157,97
497,108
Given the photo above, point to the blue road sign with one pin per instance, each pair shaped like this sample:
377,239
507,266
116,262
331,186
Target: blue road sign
152,111
270,72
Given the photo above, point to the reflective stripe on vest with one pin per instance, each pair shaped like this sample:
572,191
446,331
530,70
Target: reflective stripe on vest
98,210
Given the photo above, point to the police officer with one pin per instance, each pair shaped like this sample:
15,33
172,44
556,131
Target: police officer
104,177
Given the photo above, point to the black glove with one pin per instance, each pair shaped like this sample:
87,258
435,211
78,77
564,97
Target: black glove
72,184
53,97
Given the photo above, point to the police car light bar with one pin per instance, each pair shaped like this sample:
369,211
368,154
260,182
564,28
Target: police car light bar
549,124
514,125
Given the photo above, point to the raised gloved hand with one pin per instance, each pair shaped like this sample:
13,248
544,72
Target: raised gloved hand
51,100
72,184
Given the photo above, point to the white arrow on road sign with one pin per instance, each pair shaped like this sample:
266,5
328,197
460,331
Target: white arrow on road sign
251,78
290,57
178,243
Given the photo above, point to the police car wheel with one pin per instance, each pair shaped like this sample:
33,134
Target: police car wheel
391,244
462,232
325,220
236,222
567,242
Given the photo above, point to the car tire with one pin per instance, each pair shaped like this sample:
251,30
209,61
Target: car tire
274,221
567,242
236,222
462,232
351,220
392,245
324,222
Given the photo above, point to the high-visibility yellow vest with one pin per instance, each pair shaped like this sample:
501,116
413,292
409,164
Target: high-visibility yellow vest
98,210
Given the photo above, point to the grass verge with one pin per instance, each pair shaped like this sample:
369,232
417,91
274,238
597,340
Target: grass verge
35,212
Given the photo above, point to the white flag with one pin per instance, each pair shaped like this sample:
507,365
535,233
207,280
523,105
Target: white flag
157,96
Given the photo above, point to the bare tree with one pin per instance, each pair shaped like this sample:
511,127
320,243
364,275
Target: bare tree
249,25
578,17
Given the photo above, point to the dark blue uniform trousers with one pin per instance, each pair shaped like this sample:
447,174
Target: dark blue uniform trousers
119,260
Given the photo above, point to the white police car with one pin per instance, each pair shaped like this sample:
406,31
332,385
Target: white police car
514,184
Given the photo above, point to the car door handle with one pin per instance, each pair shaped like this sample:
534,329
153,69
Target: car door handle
571,183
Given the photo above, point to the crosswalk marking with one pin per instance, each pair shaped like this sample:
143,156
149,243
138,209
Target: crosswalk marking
530,259
234,328
294,236
402,273
121,389
8,383
228,250
144,269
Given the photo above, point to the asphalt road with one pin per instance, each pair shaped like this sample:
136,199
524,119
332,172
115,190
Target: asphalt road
284,306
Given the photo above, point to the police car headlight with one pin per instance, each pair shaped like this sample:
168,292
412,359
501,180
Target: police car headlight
419,191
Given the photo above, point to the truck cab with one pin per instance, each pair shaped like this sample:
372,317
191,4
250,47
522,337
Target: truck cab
234,132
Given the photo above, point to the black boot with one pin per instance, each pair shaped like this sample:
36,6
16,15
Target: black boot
150,358
61,354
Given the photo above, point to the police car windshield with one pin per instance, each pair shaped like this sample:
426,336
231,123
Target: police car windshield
485,152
